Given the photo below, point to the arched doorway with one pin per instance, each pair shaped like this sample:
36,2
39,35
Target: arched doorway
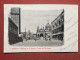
41,35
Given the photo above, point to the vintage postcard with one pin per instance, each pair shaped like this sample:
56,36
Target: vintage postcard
40,28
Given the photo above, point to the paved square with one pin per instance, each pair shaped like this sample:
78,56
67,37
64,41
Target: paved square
40,43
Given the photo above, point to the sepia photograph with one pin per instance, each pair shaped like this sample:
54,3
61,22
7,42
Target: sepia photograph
40,28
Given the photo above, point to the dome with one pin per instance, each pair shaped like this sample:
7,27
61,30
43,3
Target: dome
48,25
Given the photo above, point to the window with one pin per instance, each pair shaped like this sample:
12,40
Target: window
55,24
59,23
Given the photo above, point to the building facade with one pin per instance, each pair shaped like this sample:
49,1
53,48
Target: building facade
12,32
14,26
44,32
58,27
15,16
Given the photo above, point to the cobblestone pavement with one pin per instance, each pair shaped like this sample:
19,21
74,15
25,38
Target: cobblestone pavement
39,43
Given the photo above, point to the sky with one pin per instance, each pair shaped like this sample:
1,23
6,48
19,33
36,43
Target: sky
31,19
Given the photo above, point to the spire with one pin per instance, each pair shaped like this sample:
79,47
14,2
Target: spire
38,27
25,30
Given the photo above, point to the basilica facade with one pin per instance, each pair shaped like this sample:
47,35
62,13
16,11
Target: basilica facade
44,31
